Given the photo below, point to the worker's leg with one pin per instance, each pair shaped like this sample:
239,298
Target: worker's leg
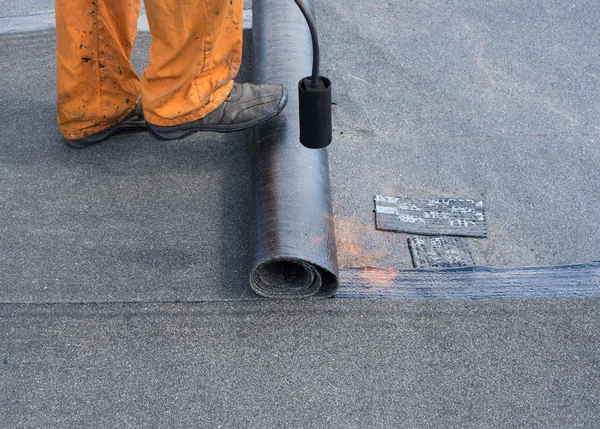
96,84
196,52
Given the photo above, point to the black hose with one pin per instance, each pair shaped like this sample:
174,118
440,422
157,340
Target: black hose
315,41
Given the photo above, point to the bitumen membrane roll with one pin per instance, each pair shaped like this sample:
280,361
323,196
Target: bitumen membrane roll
292,245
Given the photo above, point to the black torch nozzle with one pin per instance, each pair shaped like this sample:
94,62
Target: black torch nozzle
314,97
315,112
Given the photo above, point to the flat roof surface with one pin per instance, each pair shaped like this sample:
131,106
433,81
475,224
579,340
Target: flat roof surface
497,102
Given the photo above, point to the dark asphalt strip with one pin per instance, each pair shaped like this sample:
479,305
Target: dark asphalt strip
471,283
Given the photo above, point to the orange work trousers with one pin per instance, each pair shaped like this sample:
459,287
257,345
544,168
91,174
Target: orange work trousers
195,53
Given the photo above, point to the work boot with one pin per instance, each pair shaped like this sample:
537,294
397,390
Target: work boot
132,123
246,106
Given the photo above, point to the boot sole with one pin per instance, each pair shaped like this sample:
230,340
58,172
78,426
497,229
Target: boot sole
122,128
179,132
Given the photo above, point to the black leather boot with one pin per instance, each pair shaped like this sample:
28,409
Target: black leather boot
246,106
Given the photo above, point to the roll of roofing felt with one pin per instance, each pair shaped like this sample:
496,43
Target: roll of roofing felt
293,252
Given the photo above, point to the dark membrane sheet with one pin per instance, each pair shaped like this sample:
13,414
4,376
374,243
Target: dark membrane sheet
471,283
440,252
292,247
444,216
